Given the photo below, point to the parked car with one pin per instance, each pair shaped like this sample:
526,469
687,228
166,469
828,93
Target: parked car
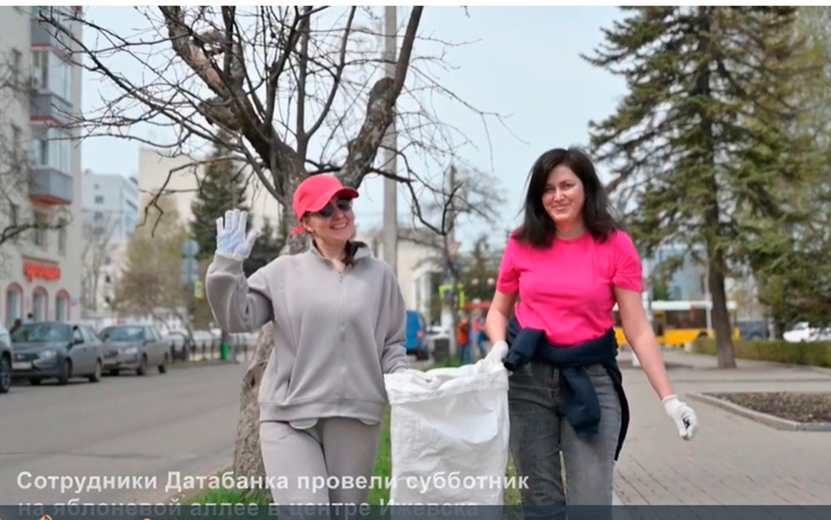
5,360
134,347
801,332
416,343
61,350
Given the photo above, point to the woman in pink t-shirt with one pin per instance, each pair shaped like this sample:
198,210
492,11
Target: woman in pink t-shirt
568,264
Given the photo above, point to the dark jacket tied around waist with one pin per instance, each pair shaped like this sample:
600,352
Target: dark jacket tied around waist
582,406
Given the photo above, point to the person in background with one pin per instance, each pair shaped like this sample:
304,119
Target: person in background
463,340
569,263
339,325
479,334
17,324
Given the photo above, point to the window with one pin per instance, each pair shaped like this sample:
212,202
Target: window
62,236
17,61
39,304
47,12
51,148
89,335
39,231
14,212
62,308
99,199
13,302
688,319
52,74
17,145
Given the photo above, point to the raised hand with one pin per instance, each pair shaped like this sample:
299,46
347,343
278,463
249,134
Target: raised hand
231,239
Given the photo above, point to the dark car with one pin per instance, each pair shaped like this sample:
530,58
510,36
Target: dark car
134,347
5,360
59,350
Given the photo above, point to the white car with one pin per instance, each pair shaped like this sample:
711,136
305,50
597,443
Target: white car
801,333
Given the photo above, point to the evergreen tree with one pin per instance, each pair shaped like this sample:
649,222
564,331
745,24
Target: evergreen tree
794,282
702,138
267,247
222,188
480,271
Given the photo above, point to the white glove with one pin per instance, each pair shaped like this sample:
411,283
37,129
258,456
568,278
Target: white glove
497,352
231,240
684,416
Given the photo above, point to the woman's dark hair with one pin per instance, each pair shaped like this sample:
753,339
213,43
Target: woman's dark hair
538,229
349,252
351,248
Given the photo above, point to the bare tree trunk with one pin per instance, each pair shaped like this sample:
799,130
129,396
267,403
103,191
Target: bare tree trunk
721,317
247,455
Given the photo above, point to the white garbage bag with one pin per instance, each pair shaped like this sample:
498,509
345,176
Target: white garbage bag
449,435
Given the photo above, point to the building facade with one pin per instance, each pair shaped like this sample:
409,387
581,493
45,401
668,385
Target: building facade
41,166
110,205
177,179
110,210
689,281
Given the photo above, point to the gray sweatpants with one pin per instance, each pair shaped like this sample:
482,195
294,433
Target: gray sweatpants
303,459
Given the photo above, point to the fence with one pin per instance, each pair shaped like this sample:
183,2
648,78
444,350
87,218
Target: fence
204,349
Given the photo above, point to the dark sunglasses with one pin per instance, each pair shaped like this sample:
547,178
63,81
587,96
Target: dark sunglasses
328,211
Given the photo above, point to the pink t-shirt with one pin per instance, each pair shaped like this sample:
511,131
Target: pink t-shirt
566,289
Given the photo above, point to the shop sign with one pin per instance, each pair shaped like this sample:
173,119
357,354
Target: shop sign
34,270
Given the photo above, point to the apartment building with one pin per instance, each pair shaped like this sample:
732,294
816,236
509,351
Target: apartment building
177,179
40,165
110,205
110,209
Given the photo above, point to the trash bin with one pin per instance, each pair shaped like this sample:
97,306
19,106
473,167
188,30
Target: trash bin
224,353
441,349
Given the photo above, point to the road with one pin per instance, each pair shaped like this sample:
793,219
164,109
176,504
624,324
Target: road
183,421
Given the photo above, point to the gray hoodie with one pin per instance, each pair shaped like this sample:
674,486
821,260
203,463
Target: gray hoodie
335,335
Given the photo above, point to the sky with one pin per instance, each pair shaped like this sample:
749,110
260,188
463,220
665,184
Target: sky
525,64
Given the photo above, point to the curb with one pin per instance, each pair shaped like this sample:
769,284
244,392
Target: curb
200,364
821,370
763,418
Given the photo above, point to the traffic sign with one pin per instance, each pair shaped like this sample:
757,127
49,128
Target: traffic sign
190,270
190,248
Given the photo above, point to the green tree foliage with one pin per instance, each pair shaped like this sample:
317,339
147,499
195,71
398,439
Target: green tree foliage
152,278
222,188
267,247
701,140
791,268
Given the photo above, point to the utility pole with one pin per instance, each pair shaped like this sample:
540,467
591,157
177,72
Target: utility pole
390,147
451,308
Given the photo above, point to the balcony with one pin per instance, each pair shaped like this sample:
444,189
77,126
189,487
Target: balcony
46,106
44,33
50,186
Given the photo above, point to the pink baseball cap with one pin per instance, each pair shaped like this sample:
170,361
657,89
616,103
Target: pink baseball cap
315,192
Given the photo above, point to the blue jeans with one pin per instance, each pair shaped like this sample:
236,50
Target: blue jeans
465,354
540,432
483,350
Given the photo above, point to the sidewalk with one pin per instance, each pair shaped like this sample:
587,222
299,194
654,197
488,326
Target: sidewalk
732,460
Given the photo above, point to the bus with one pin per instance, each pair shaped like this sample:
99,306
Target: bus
678,322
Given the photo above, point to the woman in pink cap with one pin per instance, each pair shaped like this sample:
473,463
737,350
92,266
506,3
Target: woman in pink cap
339,326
